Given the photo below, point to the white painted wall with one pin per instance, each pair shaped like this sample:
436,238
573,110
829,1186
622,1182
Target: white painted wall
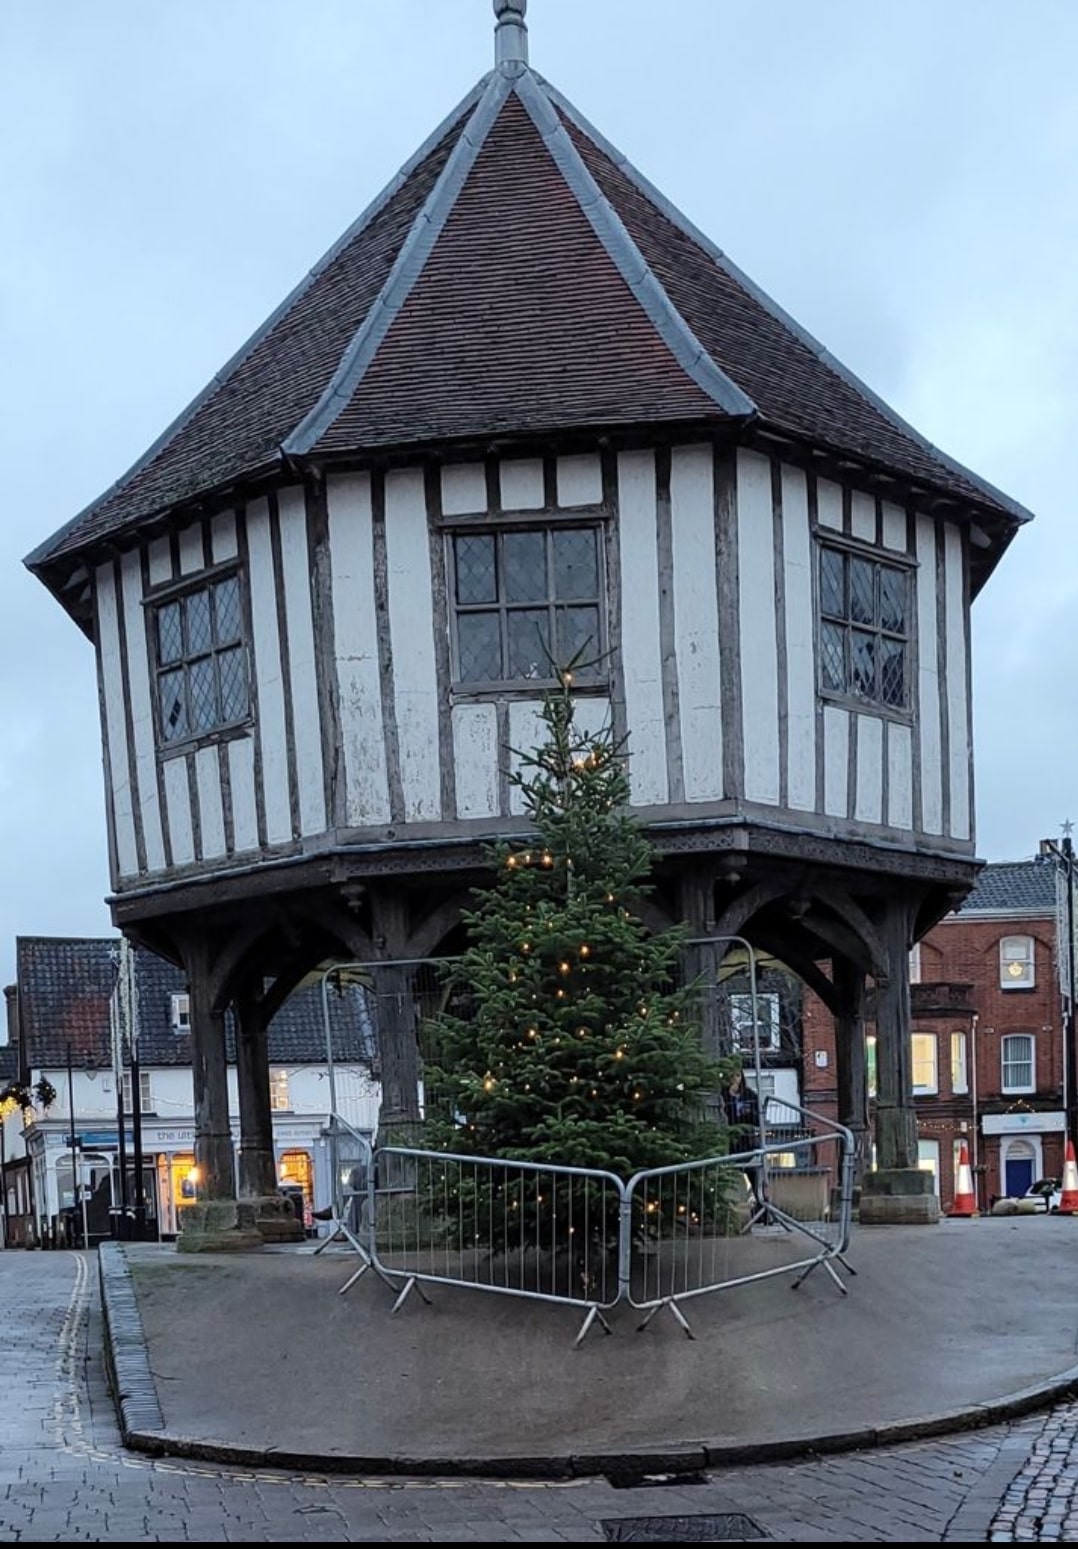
834,764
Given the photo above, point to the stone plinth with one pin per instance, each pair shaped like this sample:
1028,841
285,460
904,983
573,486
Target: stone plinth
900,1196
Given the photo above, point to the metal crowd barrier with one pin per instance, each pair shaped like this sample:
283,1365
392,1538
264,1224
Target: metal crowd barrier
529,1229
582,1236
781,1209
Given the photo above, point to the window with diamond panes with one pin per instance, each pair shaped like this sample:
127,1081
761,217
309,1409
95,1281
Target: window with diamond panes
201,663
864,628
525,601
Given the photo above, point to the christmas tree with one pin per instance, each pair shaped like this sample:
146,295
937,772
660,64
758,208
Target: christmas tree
570,1038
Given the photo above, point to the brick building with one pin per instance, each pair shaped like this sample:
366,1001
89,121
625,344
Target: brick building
987,1034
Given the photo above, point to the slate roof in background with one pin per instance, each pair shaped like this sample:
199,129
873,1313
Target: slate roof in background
65,985
1021,885
9,1064
517,277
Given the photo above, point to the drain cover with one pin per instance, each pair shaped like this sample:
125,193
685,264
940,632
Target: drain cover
720,1527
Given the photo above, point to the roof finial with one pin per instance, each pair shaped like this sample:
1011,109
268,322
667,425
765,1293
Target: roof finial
510,32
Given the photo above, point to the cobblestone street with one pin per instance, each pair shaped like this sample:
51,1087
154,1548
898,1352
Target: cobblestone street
66,1477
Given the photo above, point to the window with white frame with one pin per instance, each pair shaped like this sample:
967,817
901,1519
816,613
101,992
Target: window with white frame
145,1090
959,1065
767,1013
280,1097
180,1013
925,1073
915,963
864,628
1017,963
526,601
201,660
1017,1051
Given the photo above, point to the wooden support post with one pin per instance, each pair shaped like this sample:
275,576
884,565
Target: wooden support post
258,1168
896,1192
393,979
851,1075
213,1130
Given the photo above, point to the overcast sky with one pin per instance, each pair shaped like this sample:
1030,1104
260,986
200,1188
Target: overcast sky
901,175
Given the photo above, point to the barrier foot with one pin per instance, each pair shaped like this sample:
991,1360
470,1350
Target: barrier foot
594,1315
411,1284
825,1263
668,1301
350,1282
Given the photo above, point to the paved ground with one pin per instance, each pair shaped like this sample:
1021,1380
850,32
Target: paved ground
66,1477
259,1350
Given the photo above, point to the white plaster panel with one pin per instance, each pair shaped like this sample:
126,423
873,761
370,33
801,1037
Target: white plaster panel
411,628
522,484
759,646
640,642
464,489
526,733
863,516
868,797
828,504
580,480
800,643
241,781
159,556
140,699
181,828
894,526
120,796
306,714
836,755
900,776
192,553
355,633
928,684
475,760
223,537
958,721
696,620
211,813
272,731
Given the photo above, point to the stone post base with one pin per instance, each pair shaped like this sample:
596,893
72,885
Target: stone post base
273,1218
900,1196
217,1225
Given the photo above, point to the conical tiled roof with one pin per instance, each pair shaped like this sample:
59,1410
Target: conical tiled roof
517,278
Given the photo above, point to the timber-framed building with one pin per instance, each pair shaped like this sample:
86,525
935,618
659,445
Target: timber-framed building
523,400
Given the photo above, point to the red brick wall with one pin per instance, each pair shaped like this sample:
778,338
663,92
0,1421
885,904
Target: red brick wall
961,957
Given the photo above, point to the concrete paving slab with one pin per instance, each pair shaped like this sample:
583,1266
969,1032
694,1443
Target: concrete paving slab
942,1327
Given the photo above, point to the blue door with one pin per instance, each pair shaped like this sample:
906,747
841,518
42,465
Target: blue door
1019,1175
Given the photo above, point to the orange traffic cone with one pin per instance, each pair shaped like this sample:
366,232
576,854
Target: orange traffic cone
1068,1199
965,1201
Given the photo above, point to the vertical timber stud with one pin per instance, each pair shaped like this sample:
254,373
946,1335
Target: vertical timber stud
896,1192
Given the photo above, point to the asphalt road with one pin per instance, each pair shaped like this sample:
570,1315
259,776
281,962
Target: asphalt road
66,1477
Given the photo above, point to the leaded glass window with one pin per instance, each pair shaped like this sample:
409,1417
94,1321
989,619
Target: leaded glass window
525,602
201,661
864,628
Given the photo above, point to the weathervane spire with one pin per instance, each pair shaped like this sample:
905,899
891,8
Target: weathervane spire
510,32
